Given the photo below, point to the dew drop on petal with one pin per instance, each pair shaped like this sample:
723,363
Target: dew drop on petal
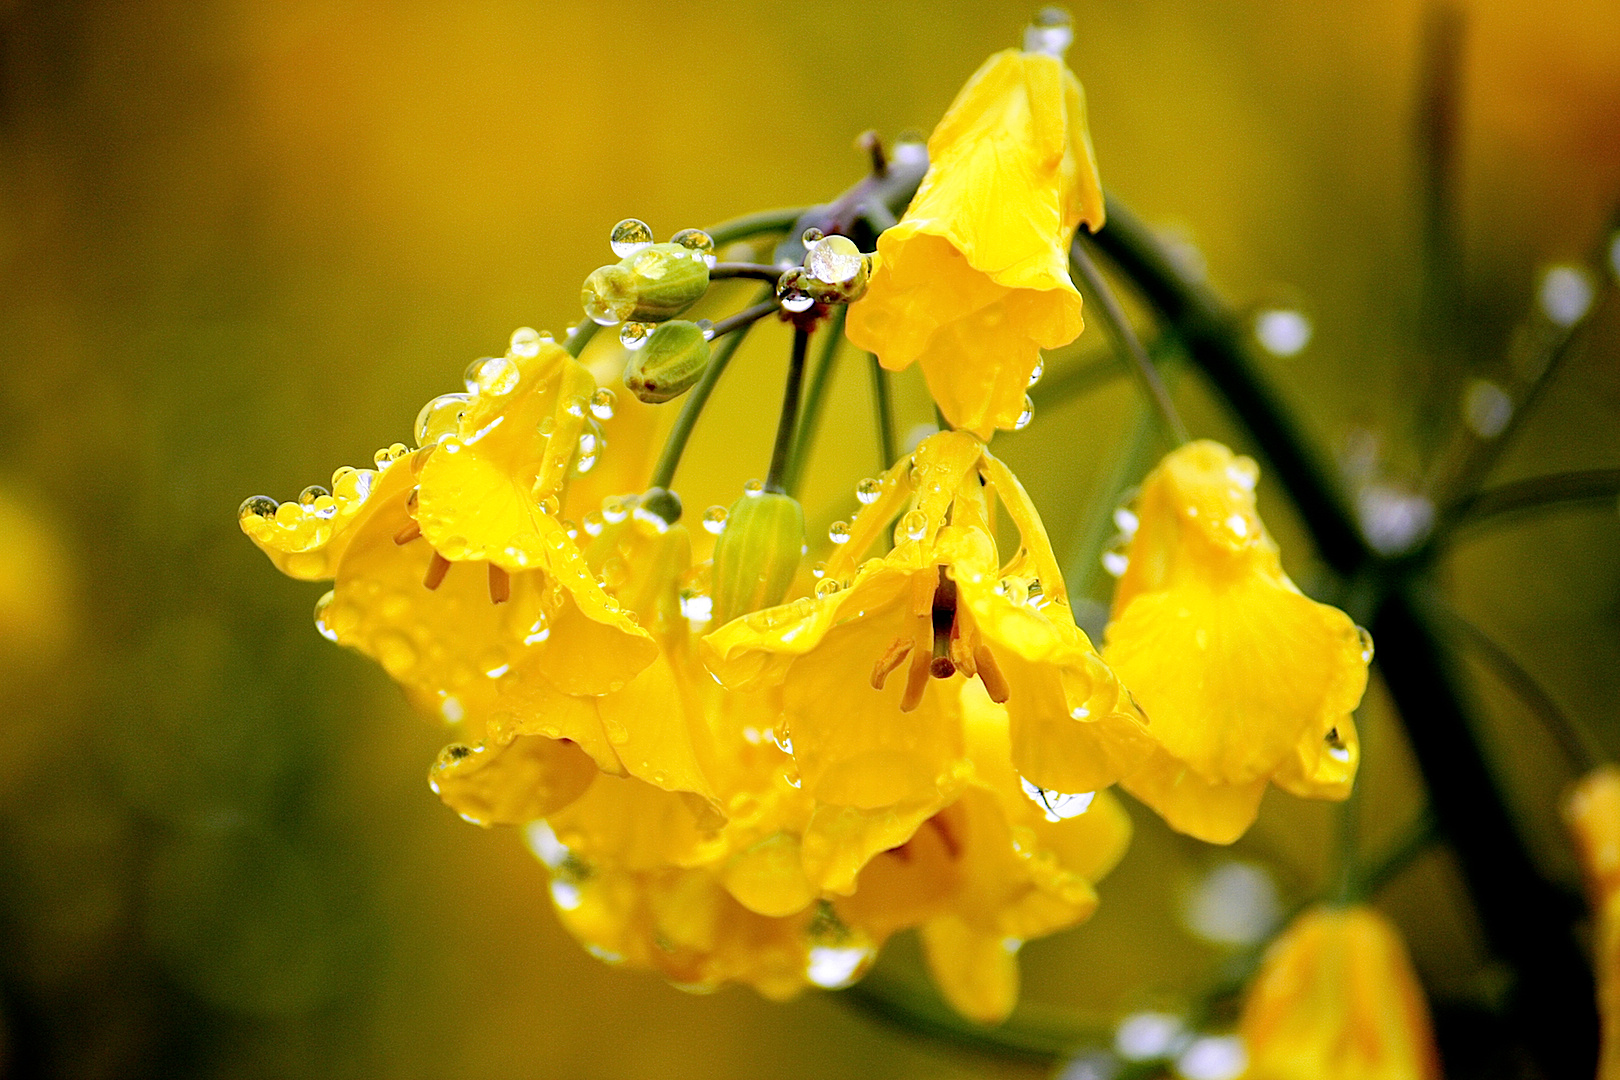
1366,644
826,587
1056,805
321,625
1040,369
1026,416
525,342
838,532
440,417
629,236
915,525
257,506
714,520
868,490
602,403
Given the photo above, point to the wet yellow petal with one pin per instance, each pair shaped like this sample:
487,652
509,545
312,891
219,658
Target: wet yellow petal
511,784
977,972
1213,813
1592,813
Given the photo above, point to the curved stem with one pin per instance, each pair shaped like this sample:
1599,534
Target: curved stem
1074,382
883,413
814,397
788,422
1538,493
746,317
581,337
741,228
755,271
675,445
1119,328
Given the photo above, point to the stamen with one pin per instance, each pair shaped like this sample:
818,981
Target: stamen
962,649
916,680
411,531
892,658
990,674
500,585
943,616
438,566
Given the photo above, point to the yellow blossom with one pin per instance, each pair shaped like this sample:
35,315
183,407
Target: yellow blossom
973,282
1592,812
870,669
1337,999
1244,679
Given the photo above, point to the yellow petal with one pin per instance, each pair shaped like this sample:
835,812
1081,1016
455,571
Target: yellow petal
1214,813
511,784
977,972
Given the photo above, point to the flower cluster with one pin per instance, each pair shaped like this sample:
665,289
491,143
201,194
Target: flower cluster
736,771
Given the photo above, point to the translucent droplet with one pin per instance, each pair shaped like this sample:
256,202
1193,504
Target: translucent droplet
835,968
811,236
1116,562
548,505
352,485
1125,521
697,606
1566,295
575,406
525,342
1056,805
1213,1057
1282,331
440,417
546,426
826,587
257,506
793,292
1050,32
614,510
868,490
1026,416
308,496
629,236
1014,589
838,532
696,241
706,328
633,335
498,376
593,523
321,625
754,487
589,443
1146,1036
1040,369
915,524
834,260
382,458
714,520
1366,645
1236,903
1486,408
602,403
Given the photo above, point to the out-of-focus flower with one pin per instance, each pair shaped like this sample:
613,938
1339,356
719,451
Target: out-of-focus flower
1244,680
1337,999
974,281
871,668
1592,812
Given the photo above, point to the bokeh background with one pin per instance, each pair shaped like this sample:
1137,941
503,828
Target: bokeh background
241,243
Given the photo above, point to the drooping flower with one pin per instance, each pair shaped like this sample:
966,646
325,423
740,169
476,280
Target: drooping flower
1592,813
1337,999
973,282
870,669
1244,679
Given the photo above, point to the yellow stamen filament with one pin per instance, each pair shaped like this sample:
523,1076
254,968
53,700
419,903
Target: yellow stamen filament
942,614
500,585
990,674
892,658
410,532
917,674
438,566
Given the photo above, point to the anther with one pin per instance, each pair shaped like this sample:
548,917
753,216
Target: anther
990,674
892,657
410,532
500,585
438,566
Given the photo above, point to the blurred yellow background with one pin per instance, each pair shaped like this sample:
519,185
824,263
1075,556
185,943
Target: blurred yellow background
243,243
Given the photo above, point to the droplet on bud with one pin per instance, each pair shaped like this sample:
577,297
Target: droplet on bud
793,290
706,328
714,520
633,335
1026,416
1051,32
609,295
868,490
525,342
602,403
697,241
629,236
811,235
754,488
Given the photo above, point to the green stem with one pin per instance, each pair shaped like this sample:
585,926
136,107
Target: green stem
788,422
756,271
883,414
1119,328
814,397
741,228
675,445
1539,493
580,338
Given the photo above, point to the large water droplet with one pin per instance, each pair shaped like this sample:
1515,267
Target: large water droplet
915,525
1026,416
868,490
257,506
793,292
714,520
525,342
602,403
440,418
838,532
629,236
834,260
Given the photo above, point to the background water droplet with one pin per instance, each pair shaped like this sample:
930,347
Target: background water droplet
629,236
602,403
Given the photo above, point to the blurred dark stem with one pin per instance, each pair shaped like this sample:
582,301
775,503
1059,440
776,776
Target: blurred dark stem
1125,339
815,396
1490,506
756,271
1527,919
788,422
1582,750
882,413
1435,139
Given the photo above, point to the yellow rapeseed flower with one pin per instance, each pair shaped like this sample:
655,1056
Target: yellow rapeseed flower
1592,812
973,282
1244,679
1337,999
870,669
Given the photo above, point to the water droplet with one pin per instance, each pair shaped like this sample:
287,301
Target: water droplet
1056,805
575,406
1366,645
614,510
818,571
602,403
835,968
826,587
1282,331
915,524
793,292
696,606
1566,295
546,426
1015,590
1040,369
321,624
1486,408
706,328
1051,32
308,496
1026,416
525,342
1213,1057
811,236
835,260
633,335
1125,521
592,523
1146,1036
714,520
629,236
352,485
440,418
838,532
868,491
549,505
754,488
697,241
257,506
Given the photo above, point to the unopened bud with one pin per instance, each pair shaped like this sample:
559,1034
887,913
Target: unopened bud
670,362
757,555
652,284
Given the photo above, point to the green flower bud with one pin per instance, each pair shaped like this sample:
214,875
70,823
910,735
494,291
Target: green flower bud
657,282
667,365
757,555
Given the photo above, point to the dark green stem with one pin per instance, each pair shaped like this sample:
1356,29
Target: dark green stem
755,271
741,228
669,460
581,337
1538,493
815,397
1119,328
788,422
883,414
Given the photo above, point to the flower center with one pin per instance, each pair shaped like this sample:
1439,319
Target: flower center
943,641
500,582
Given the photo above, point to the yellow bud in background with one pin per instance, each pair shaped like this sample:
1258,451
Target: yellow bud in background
669,363
655,283
756,555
